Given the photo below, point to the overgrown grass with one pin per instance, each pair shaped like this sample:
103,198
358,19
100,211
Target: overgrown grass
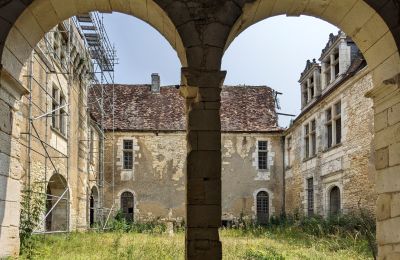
287,237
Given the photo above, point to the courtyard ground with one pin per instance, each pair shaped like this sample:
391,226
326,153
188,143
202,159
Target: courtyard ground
262,244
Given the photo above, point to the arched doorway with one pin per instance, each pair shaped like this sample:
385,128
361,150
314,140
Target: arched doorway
93,206
334,201
57,208
262,205
127,206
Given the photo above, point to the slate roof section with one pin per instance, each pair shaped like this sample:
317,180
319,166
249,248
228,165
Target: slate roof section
243,108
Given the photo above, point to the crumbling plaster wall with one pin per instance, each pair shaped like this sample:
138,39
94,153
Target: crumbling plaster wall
158,176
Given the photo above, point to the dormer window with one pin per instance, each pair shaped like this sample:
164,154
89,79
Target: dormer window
310,82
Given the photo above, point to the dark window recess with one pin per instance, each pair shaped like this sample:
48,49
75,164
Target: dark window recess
127,205
337,69
306,141
334,201
313,137
128,160
339,131
262,155
262,208
128,144
329,130
310,196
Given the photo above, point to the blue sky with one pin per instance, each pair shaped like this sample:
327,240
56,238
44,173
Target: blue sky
272,52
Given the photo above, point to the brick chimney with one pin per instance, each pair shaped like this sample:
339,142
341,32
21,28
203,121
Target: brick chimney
155,83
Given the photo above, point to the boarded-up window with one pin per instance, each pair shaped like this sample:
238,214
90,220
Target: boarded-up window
262,207
127,205
334,201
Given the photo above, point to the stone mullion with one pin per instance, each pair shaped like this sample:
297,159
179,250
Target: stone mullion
203,213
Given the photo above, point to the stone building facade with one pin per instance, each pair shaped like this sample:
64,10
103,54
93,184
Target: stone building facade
329,154
57,156
150,162
200,33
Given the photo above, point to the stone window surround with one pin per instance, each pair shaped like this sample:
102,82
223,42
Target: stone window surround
58,100
119,157
263,175
271,208
334,117
311,154
307,176
117,202
325,195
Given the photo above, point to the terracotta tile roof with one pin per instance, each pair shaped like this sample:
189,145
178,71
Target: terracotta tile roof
244,108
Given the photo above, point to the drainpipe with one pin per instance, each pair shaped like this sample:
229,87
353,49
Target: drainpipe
283,176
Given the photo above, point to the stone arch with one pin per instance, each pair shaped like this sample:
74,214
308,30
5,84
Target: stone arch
94,204
355,17
335,200
271,208
118,201
42,15
57,206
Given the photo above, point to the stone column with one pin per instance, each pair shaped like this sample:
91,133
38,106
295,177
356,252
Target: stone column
202,90
10,166
387,163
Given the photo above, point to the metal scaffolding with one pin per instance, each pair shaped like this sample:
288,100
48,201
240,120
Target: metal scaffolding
52,109
103,56
53,113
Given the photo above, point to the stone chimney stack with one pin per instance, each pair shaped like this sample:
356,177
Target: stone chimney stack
155,83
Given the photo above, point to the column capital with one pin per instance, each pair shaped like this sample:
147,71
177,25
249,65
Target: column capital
202,78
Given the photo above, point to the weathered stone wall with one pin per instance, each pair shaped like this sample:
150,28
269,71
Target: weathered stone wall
157,179
49,146
158,176
348,165
241,178
387,145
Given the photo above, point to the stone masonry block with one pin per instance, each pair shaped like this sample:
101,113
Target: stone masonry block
203,191
203,234
388,180
394,114
203,249
382,158
204,120
203,216
204,164
381,120
388,231
395,205
383,207
5,118
209,140
394,154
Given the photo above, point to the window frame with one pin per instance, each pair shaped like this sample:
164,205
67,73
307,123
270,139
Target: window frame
310,139
310,196
333,119
262,155
127,151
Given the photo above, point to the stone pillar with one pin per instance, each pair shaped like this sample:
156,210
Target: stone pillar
387,162
10,166
202,90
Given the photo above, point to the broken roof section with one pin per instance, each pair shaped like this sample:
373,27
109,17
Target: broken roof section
137,108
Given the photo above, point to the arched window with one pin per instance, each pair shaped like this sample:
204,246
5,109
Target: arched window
127,202
262,207
334,201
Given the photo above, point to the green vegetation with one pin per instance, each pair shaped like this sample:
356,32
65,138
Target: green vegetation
342,237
